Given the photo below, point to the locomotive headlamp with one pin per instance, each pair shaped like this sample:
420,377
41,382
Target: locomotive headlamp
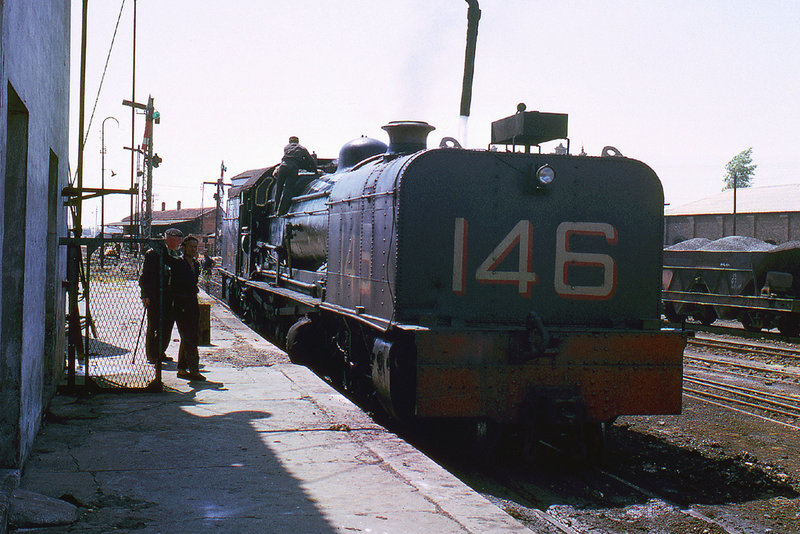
545,175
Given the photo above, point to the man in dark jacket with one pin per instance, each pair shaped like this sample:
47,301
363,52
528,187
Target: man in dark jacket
154,277
295,157
185,272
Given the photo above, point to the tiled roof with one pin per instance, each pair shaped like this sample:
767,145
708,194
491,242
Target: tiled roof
246,175
766,199
176,216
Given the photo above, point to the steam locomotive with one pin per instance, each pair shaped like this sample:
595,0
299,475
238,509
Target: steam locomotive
505,286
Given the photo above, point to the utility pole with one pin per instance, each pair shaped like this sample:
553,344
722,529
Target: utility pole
150,159
218,194
103,187
735,179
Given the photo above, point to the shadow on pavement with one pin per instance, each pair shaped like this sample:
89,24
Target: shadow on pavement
167,462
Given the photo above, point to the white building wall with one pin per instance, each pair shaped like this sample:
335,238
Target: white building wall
34,60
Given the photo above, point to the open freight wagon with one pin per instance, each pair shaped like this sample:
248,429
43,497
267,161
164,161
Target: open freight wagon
735,278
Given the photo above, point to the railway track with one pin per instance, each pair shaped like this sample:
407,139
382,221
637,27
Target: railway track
601,489
787,405
767,390
772,371
732,328
748,348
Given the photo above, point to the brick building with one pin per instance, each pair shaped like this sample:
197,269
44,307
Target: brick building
200,222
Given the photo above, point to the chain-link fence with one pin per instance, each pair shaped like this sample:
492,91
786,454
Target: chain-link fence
111,350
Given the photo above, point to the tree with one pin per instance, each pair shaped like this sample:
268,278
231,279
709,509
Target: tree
739,170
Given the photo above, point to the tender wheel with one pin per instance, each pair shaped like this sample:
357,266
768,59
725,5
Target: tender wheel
530,445
670,313
789,324
753,320
594,439
485,438
705,315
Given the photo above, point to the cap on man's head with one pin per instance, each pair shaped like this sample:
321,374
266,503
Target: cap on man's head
173,232
294,139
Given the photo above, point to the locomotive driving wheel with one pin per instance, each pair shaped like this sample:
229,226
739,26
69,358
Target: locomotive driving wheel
303,344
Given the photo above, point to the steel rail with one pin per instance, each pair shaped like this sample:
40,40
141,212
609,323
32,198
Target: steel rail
748,366
740,402
690,511
733,409
792,381
753,394
744,347
525,494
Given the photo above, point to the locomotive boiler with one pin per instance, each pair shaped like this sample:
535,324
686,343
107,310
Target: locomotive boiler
502,286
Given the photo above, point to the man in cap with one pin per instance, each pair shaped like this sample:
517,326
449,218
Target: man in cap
154,278
295,157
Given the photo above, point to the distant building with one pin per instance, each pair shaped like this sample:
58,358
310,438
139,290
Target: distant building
769,213
200,222
34,152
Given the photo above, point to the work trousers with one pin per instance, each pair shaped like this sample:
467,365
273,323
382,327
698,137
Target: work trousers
286,176
187,316
154,349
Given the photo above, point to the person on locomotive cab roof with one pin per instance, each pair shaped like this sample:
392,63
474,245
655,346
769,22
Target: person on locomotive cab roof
295,157
154,298
185,273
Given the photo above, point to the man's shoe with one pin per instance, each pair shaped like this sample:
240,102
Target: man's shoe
196,376
166,358
183,373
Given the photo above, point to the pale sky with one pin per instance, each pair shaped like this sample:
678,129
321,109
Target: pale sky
682,85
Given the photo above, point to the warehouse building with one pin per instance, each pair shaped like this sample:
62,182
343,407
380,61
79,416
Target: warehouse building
769,213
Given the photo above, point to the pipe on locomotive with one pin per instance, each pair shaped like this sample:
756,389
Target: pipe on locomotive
473,16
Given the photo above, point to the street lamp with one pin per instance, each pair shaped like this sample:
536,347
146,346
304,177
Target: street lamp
103,187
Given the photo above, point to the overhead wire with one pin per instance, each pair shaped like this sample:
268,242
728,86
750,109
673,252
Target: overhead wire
102,78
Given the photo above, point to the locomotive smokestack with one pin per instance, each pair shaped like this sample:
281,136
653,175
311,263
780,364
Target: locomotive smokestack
407,136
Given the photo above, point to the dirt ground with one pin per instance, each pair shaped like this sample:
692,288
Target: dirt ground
724,463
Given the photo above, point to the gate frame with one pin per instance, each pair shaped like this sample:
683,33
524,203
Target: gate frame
79,326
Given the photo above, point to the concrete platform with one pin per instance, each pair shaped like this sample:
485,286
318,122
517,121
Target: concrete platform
254,449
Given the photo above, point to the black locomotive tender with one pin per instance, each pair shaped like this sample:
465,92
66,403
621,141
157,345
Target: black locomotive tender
494,286
736,277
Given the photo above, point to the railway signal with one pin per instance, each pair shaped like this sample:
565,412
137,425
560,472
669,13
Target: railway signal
151,160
